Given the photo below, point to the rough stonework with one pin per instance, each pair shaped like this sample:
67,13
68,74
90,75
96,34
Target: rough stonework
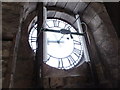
103,47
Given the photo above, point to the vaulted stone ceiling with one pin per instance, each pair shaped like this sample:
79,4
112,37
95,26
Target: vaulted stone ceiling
69,7
65,10
61,10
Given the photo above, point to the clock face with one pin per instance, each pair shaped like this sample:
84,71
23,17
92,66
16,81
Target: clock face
64,51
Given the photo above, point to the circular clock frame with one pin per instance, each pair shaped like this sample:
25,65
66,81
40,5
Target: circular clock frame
60,55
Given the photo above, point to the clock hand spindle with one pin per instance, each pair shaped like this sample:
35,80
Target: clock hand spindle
61,37
71,36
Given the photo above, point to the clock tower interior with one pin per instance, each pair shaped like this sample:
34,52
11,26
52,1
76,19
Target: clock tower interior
60,44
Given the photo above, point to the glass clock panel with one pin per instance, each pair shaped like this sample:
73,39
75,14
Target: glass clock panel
64,51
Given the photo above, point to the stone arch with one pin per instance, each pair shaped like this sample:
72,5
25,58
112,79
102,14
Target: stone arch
106,40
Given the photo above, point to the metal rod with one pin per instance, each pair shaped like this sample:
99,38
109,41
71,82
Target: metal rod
87,58
58,31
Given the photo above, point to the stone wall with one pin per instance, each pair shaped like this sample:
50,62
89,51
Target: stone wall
23,77
119,63
102,35
17,60
10,25
0,45
106,41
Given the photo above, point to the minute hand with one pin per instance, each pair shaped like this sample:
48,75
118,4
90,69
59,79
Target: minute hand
63,31
55,42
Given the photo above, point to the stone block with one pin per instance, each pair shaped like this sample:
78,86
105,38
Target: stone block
7,36
12,6
80,7
75,82
110,48
4,63
53,72
67,17
113,61
0,54
71,6
115,72
0,71
23,83
107,22
61,4
101,34
56,82
98,7
51,13
6,44
88,14
0,83
46,83
100,72
58,14
95,23
51,3
4,69
24,68
10,17
105,17
5,53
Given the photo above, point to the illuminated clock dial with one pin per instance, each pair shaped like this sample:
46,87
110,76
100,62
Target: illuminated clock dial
64,51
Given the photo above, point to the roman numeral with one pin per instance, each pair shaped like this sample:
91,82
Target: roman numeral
33,39
77,42
67,26
35,28
60,64
56,23
48,58
71,60
77,52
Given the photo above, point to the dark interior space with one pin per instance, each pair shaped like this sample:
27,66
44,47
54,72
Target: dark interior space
114,13
60,45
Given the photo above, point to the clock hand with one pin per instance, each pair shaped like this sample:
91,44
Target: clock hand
71,36
64,31
61,38
55,42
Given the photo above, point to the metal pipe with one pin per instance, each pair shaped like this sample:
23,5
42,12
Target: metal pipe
87,58
59,31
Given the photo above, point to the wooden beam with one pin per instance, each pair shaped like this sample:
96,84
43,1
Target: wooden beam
38,65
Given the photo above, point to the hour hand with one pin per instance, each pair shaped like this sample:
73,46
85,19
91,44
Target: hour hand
51,41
